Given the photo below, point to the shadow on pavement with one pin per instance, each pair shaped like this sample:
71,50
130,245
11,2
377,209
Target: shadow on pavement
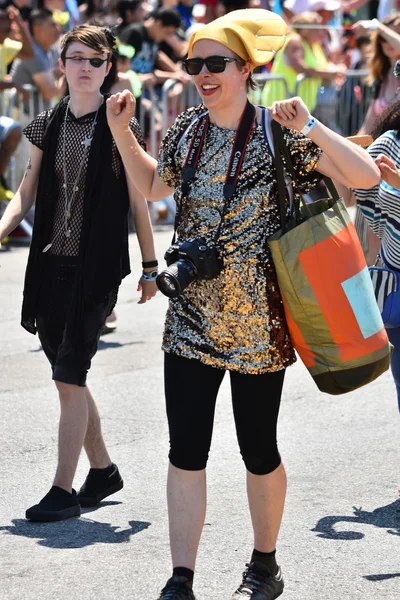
74,533
382,577
103,345
387,517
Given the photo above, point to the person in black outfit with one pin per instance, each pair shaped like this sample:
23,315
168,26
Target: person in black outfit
73,276
152,65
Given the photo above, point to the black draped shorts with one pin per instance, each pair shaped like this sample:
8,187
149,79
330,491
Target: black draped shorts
69,363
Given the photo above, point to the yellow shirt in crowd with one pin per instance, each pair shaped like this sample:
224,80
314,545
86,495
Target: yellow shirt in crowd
8,51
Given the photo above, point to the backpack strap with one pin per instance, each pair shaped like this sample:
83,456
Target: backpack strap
265,119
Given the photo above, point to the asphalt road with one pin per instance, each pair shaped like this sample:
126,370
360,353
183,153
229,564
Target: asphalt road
341,532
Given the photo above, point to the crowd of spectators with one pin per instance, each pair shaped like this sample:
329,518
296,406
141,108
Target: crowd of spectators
327,39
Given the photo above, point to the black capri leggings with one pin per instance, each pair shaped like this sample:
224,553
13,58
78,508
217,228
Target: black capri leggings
191,389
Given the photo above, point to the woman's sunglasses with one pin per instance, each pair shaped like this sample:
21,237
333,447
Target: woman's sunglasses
214,64
94,62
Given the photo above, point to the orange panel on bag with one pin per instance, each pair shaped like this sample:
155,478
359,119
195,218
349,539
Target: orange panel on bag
336,270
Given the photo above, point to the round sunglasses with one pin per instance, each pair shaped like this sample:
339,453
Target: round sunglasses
214,64
94,62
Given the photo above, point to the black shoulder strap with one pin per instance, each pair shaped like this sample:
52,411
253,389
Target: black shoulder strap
281,149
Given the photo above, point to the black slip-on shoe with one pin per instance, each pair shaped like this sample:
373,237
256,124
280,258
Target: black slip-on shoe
57,505
177,588
99,484
259,584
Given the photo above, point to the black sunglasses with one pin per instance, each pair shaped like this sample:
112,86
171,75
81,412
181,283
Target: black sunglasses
214,64
94,62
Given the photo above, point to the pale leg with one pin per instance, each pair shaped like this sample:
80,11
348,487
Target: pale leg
72,430
266,494
94,443
186,492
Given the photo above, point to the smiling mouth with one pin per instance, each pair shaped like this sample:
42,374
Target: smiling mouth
207,87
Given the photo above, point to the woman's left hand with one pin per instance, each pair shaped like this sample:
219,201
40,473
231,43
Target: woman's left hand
148,289
388,169
291,113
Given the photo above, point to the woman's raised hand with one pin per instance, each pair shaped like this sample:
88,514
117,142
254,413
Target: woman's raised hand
388,169
120,110
291,113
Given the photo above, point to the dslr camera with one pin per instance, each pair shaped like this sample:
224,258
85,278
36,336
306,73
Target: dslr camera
188,261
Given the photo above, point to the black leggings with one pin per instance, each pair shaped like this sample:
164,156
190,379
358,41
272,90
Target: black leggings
191,389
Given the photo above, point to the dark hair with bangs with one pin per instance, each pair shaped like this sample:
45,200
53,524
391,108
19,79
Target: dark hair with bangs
90,35
379,63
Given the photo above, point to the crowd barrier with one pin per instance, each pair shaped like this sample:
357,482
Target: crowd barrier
341,105
12,105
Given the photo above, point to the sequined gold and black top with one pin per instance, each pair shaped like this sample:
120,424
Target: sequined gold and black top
235,321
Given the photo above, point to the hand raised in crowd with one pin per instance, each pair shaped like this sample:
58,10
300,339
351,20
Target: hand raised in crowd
388,169
291,113
182,76
23,92
148,288
149,79
361,28
16,21
120,110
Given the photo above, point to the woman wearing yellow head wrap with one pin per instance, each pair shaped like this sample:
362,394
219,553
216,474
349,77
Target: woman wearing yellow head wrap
226,312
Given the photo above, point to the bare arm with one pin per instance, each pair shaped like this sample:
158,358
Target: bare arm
365,28
294,53
49,86
24,197
346,193
166,69
388,34
141,219
165,63
341,160
122,83
140,167
350,5
27,50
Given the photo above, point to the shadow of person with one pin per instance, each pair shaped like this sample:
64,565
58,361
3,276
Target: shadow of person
74,533
382,576
102,345
386,517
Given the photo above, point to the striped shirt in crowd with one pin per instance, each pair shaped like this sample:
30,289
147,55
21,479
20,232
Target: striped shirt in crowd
381,204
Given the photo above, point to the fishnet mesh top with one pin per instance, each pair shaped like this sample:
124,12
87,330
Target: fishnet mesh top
77,129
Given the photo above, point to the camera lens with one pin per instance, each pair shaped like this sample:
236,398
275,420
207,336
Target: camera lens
176,278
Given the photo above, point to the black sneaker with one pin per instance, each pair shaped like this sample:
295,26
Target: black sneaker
99,484
177,588
259,584
57,505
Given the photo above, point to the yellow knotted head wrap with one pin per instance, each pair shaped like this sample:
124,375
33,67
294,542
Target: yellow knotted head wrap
254,34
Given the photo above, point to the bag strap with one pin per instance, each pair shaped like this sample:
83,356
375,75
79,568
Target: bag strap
281,150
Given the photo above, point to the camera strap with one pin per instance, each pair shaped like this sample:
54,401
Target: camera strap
243,133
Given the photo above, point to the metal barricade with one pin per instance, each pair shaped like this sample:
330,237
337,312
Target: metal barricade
340,105
13,106
353,100
173,104
278,87
148,117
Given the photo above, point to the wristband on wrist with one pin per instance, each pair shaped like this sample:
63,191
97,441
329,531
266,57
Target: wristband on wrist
152,276
308,126
149,264
373,24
